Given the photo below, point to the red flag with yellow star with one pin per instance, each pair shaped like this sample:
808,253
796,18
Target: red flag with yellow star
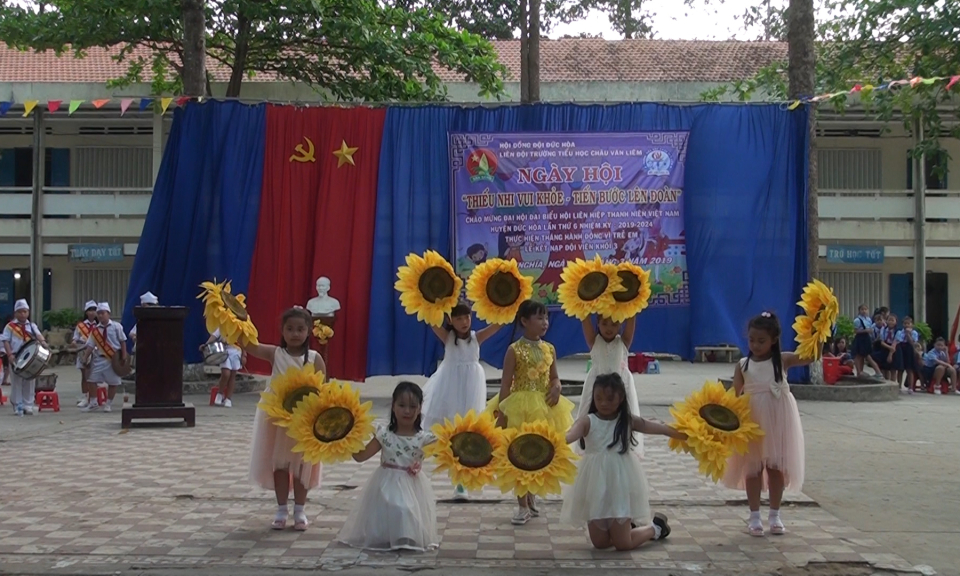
317,220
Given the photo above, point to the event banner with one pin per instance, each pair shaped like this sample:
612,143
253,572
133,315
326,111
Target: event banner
543,199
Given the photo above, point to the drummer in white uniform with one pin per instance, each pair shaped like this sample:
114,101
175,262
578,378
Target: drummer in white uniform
146,299
228,371
16,333
106,341
80,335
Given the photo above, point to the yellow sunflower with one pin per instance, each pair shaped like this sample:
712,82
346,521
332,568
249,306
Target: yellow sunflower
635,295
333,426
534,459
286,390
587,288
717,423
465,449
227,312
497,288
809,346
428,287
322,332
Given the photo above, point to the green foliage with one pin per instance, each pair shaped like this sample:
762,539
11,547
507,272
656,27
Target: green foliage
844,328
345,49
923,329
869,43
63,318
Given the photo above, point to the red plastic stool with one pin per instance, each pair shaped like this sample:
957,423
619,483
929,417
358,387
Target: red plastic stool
47,399
213,394
831,370
102,395
3,399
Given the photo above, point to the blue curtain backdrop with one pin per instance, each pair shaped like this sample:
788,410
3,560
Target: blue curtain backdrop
745,212
202,221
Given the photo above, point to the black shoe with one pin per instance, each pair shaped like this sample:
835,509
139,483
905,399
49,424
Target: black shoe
661,521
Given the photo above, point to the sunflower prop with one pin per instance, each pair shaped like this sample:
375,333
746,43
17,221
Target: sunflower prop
635,295
534,459
227,312
588,287
815,326
287,390
497,288
717,423
428,287
465,449
322,332
333,426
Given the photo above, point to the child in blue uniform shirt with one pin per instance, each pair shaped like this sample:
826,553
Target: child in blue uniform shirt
938,370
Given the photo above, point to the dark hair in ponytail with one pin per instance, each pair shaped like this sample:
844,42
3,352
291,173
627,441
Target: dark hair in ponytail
303,314
527,309
412,389
623,432
461,309
768,322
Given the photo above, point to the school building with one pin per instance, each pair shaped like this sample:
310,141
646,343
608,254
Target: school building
80,229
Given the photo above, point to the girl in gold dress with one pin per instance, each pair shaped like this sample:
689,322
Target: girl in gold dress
530,387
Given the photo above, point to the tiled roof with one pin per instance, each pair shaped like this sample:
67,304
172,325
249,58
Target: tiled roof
564,60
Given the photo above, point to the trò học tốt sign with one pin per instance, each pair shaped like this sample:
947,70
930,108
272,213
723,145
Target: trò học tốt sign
855,254
95,252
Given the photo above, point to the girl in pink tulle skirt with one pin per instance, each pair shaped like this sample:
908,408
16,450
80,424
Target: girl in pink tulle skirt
774,462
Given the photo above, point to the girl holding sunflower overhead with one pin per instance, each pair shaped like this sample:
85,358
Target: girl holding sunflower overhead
273,464
459,385
609,344
530,387
610,494
775,461
396,510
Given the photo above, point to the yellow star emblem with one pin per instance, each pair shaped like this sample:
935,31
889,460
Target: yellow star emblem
345,154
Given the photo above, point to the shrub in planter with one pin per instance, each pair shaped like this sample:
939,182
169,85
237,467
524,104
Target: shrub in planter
64,319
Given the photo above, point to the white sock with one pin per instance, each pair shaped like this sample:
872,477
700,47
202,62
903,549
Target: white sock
298,513
754,519
656,531
773,514
282,512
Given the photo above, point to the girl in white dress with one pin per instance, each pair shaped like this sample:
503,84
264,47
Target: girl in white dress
609,351
459,384
273,464
396,510
228,371
610,493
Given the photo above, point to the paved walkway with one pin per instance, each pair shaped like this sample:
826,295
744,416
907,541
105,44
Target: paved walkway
76,491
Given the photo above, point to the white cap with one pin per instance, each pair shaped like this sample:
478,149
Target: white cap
90,304
21,304
149,298
103,307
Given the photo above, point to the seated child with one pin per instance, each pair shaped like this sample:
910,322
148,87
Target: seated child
937,370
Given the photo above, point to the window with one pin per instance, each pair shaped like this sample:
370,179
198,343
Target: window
935,170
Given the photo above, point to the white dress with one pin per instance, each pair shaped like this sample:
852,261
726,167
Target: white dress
271,448
396,510
459,384
605,358
610,486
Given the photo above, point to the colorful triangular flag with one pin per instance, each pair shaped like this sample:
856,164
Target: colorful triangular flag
74,104
953,80
98,104
124,104
182,100
54,105
28,107
164,104
144,103
5,107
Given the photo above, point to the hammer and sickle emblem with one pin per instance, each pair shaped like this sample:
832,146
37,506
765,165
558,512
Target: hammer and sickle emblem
303,155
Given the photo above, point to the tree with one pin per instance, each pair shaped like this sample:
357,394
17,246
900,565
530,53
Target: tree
194,48
347,50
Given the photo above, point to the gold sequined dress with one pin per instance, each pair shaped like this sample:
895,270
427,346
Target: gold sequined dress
527,401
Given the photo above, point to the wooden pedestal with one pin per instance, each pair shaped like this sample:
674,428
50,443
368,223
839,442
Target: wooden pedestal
159,366
323,348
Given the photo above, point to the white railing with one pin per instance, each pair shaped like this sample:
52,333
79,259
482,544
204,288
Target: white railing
878,205
71,212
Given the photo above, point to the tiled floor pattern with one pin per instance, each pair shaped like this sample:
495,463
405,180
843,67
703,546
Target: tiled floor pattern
179,497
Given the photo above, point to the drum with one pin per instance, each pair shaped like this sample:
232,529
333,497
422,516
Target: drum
214,353
31,360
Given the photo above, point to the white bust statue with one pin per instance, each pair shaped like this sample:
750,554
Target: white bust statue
323,304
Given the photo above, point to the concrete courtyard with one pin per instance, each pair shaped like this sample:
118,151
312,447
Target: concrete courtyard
80,496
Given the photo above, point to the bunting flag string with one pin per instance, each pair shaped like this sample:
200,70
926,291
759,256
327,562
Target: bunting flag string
166,101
